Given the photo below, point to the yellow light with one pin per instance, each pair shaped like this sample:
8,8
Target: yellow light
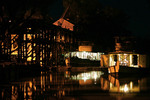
35,88
126,89
34,58
40,58
29,58
29,28
41,64
30,84
131,85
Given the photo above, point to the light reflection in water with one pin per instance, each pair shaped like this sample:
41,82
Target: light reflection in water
122,86
62,84
87,78
87,75
125,88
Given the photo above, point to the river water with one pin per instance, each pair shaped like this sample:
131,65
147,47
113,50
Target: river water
76,85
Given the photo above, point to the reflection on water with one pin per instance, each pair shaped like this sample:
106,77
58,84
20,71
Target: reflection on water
87,77
52,85
122,86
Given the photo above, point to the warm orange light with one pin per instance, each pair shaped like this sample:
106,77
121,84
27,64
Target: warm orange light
85,48
29,28
14,44
29,58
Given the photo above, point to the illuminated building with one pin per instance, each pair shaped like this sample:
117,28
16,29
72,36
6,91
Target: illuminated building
38,42
124,59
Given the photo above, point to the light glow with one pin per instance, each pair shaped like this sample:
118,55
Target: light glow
85,55
88,75
14,44
124,88
124,59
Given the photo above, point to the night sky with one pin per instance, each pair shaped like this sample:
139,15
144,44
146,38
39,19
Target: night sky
56,9
139,13
137,10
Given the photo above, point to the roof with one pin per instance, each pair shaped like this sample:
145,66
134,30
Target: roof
64,24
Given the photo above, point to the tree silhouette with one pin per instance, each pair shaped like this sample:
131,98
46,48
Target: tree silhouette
13,13
95,22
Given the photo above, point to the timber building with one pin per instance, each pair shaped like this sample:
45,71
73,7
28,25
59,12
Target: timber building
38,42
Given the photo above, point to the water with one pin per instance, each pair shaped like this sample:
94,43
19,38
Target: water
83,85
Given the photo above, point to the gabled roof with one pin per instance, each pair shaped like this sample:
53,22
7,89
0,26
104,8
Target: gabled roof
64,24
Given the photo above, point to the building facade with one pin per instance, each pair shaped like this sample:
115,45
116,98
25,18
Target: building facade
38,42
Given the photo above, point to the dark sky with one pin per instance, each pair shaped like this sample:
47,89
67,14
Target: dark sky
137,10
56,9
